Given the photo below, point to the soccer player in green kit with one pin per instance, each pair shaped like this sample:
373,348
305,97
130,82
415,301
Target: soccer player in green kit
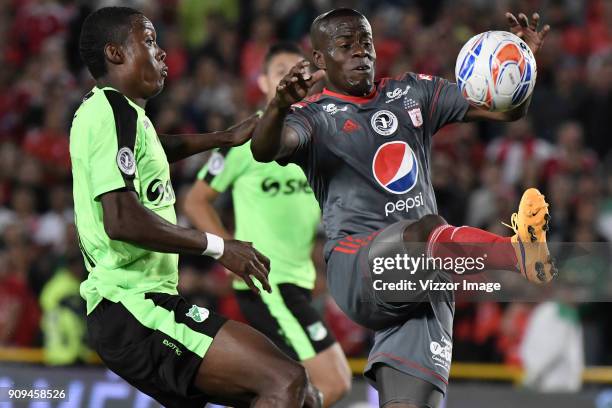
180,354
275,209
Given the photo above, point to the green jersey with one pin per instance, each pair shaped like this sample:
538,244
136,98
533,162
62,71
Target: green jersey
114,146
275,209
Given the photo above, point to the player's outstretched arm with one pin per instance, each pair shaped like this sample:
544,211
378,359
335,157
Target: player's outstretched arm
271,140
126,219
200,211
178,147
528,31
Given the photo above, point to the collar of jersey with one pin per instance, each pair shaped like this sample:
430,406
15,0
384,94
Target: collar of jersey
106,88
350,98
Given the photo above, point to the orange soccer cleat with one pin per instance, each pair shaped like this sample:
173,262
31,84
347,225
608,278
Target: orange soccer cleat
530,224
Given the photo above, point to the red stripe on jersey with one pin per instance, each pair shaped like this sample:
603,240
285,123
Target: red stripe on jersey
350,245
345,250
435,98
350,98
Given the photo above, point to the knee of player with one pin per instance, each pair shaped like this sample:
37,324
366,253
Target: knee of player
297,378
292,378
422,229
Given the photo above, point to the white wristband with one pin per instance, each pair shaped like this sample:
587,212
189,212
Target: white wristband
215,246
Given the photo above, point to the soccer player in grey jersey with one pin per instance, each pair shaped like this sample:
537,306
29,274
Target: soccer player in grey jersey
365,148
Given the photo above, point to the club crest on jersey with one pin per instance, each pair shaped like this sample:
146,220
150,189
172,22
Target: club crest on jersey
198,314
126,161
384,122
332,109
317,331
416,117
216,163
395,167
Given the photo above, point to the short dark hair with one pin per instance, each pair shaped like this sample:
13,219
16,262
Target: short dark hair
322,20
103,26
283,47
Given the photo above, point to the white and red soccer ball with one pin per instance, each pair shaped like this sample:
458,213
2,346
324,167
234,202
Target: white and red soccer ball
496,70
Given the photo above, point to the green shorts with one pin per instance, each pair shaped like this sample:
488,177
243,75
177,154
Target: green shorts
287,317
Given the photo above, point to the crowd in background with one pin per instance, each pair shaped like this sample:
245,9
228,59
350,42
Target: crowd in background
214,52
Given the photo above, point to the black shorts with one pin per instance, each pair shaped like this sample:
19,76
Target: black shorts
155,342
287,318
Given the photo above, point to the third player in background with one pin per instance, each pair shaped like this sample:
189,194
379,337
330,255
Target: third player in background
276,210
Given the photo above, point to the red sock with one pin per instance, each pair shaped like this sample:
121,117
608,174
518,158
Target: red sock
499,255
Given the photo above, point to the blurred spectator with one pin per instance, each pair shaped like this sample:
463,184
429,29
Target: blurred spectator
519,152
444,172
552,351
19,312
200,20
63,320
570,156
253,53
52,226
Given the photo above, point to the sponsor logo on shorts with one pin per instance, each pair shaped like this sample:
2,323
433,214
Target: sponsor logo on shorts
442,352
317,331
172,346
198,314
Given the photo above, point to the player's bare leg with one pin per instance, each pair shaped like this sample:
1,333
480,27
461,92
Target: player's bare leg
330,374
244,368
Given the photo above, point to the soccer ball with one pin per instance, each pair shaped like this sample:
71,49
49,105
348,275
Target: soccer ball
496,71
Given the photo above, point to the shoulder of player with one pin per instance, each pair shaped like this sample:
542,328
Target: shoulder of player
414,78
309,104
235,156
103,106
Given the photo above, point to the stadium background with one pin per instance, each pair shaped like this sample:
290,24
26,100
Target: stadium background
214,53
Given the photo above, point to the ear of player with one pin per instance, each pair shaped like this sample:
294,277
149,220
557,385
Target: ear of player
530,224
295,85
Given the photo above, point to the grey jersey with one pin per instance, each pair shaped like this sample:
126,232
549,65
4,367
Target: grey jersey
367,159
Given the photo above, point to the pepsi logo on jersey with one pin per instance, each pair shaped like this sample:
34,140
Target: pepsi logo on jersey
396,169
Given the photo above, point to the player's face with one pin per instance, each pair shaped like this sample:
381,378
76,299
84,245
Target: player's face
144,59
350,56
278,67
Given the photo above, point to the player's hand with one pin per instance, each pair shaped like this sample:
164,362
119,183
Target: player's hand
247,262
295,85
527,30
240,133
